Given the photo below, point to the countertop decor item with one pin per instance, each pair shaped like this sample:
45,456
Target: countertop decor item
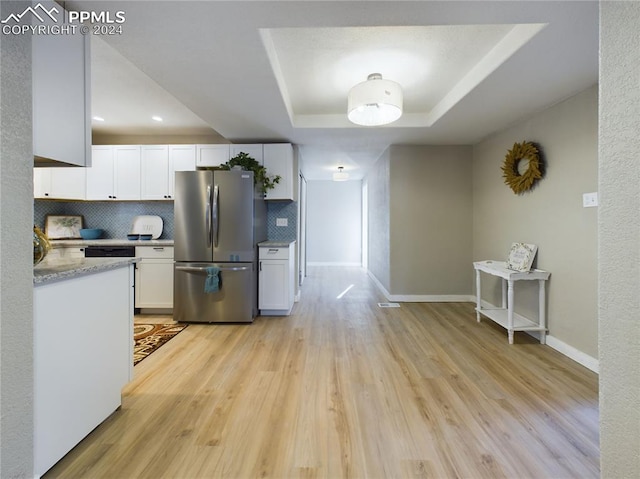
41,245
133,236
147,224
260,176
521,152
91,233
63,226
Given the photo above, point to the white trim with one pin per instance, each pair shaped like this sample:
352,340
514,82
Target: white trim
331,263
432,298
421,298
563,348
578,356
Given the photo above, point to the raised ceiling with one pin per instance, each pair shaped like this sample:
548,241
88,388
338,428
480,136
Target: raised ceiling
280,71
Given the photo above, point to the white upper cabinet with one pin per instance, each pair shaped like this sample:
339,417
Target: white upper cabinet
159,164
278,160
61,83
67,183
212,155
181,158
253,150
115,173
155,172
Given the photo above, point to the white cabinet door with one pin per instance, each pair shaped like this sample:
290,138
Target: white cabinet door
69,183
61,96
212,155
253,150
181,158
127,172
59,183
278,160
115,173
42,183
273,279
154,277
155,172
100,176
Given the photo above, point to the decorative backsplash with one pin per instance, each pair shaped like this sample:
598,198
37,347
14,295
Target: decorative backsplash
116,217
282,209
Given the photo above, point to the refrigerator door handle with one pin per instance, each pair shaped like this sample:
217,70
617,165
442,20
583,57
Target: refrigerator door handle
199,269
207,214
216,220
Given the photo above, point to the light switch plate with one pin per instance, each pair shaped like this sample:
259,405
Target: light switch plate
589,200
282,222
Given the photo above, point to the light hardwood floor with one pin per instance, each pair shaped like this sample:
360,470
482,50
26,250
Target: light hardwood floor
343,388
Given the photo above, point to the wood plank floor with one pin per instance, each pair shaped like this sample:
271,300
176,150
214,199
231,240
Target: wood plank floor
343,388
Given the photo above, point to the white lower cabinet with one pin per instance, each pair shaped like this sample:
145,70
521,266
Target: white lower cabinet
66,253
276,280
154,277
83,357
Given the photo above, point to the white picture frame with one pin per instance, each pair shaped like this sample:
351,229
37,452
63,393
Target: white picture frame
63,226
521,256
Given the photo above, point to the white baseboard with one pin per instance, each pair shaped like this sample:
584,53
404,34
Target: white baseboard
578,356
421,298
331,263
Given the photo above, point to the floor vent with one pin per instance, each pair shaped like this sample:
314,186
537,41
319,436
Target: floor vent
388,305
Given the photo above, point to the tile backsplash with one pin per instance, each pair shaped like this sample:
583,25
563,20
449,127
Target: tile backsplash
116,217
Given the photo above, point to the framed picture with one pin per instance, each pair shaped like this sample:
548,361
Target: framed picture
63,227
521,256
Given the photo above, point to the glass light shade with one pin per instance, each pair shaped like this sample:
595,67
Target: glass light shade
375,102
340,175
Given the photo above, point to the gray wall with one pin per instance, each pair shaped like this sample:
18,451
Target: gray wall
378,220
550,216
334,222
430,220
619,239
16,275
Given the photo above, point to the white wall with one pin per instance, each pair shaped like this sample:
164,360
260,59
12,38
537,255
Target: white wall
619,239
550,216
334,221
16,274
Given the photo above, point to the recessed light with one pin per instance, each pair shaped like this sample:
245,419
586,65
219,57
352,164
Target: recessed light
98,118
156,118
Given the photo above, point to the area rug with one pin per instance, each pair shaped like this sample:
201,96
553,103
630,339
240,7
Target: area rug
149,337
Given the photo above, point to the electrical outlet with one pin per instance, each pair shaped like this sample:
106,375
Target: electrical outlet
282,222
589,200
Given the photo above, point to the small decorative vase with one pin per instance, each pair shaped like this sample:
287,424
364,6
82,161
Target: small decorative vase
41,245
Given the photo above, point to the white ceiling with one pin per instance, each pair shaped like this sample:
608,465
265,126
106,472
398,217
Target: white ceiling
280,71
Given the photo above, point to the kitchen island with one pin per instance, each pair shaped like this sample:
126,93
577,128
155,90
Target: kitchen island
83,349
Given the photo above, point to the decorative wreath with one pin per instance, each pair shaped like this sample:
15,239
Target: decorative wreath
520,183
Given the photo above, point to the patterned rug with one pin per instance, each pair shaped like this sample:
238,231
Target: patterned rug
149,337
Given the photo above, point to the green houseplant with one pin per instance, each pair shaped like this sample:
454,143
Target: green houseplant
260,176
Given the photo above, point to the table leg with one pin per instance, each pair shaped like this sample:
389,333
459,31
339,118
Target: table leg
510,310
504,293
478,300
542,311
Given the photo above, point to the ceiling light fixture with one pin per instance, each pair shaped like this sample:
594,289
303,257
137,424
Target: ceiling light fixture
340,175
156,118
375,102
97,118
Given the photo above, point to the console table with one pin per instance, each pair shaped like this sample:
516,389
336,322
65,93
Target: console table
505,315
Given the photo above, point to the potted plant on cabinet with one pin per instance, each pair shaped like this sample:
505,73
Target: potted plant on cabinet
260,177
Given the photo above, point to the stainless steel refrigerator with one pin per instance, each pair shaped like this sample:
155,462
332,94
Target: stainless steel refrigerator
219,218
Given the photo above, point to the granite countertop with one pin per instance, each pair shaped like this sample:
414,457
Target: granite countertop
79,243
275,244
56,270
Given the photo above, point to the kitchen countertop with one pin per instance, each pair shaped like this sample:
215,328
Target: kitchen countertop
275,244
79,243
60,269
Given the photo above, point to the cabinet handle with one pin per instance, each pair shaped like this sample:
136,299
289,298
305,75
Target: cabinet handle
158,248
